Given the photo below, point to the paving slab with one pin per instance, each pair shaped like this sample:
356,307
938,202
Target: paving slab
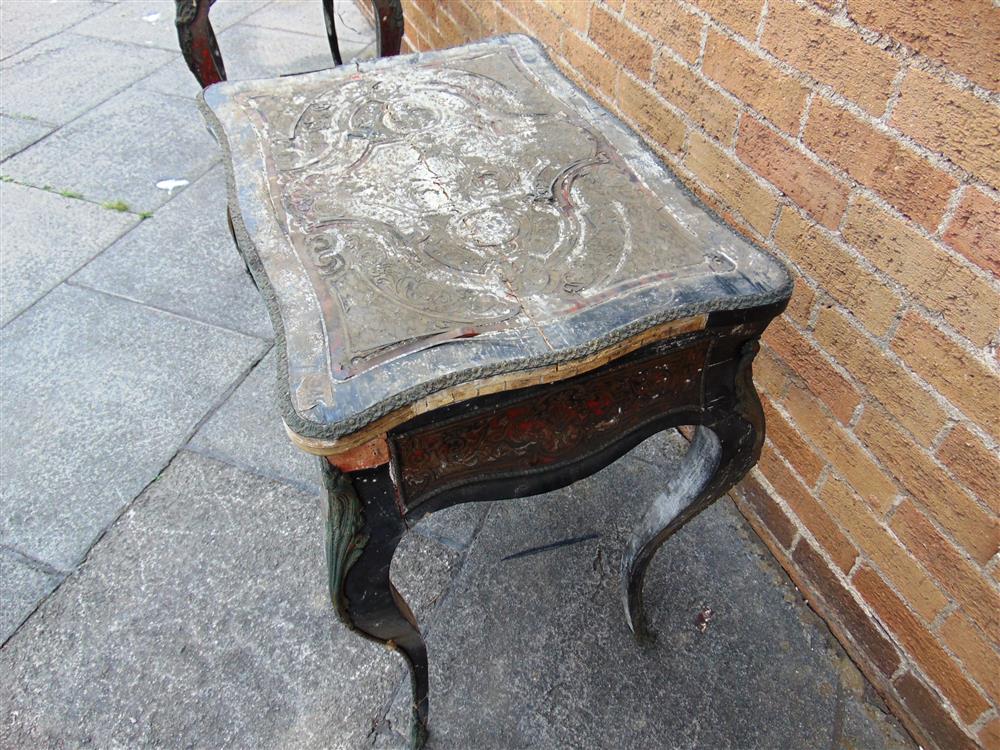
119,150
866,720
455,527
532,650
306,17
183,260
17,133
256,52
150,23
25,22
22,586
202,620
97,394
247,431
62,77
46,237
659,449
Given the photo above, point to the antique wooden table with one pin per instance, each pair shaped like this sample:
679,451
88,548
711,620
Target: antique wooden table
483,286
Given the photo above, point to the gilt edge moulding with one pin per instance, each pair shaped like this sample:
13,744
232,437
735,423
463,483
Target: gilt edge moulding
422,221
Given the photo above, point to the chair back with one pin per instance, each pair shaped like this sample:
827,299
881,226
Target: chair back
203,57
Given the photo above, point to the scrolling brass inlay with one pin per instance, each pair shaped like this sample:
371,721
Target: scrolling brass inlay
439,200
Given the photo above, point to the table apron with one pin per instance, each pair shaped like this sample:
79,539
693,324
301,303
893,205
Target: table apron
545,437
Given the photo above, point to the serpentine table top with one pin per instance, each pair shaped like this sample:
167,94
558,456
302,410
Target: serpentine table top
435,227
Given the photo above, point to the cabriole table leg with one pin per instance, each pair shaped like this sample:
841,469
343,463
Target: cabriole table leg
724,448
363,528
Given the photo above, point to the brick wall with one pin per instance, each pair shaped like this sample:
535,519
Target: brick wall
859,140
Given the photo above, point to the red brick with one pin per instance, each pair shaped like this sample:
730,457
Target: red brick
837,272
920,644
800,306
418,38
933,276
573,12
963,34
707,107
418,16
841,449
770,375
667,22
970,384
472,18
956,123
451,34
839,57
965,456
736,222
424,8
989,735
808,184
486,11
903,396
845,609
905,179
653,118
926,709
820,377
732,183
929,484
975,652
742,16
753,493
874,539
754,80
956,575
791,445
531,16
808,510
619,41
974,230
589,62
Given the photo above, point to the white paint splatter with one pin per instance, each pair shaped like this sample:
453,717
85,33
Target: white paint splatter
171,185
151,18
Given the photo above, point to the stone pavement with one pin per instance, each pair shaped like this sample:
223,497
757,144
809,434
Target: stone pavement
161,561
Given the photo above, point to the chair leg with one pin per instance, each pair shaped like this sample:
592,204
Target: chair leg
362,532
389,26
197,41
331,31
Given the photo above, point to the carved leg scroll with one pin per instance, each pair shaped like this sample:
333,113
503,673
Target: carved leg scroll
363,528
722,451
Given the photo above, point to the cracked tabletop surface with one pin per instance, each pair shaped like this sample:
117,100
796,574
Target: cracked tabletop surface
424,222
